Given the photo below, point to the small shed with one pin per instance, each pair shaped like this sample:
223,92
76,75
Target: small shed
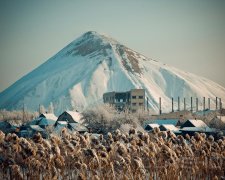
150,127
70,117
194,123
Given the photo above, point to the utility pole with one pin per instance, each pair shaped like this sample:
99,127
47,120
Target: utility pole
196,104
39,110
172,105
209,103
160,106
147,104
23,113
203,103
216,103
178,103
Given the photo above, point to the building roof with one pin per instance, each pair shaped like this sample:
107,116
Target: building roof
34,121
49,116
169,127
163,121
198,129
151,126
197,123
62,123
46,122
36,127
77,127
75,115
4,124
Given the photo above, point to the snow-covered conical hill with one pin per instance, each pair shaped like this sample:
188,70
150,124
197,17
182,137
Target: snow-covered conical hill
78,75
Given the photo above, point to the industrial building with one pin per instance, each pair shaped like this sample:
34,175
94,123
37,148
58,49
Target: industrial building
132,100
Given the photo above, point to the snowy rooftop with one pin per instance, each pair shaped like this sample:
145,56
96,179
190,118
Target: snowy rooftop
49,116
75,115
169,127
198,123
151,126
62,122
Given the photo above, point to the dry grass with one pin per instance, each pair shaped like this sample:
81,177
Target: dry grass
156,155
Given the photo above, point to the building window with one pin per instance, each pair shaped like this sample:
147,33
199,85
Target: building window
140,97
121,100
134,104
140,104
133,97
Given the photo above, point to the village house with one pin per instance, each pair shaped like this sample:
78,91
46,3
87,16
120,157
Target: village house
70,117
191,126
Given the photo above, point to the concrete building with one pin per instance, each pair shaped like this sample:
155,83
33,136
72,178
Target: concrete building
131,100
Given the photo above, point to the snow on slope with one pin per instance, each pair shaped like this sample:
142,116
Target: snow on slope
78,75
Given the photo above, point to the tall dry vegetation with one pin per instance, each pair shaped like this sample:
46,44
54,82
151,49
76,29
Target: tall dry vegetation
105,118
133,155
22,116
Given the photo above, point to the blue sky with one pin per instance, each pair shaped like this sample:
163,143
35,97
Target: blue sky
188,34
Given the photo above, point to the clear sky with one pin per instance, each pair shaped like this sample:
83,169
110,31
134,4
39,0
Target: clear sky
188,34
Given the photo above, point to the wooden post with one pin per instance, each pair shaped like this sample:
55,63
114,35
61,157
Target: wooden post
191,105
209,103
196,104
220,105
172,105
184,105
178,103
160,110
